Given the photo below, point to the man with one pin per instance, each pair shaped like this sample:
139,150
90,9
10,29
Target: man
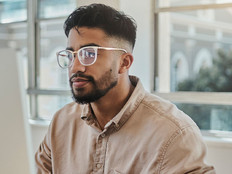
114,125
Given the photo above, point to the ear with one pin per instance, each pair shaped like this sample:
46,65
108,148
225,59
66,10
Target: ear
125,63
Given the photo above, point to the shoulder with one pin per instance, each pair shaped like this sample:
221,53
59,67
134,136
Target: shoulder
164,112
179,138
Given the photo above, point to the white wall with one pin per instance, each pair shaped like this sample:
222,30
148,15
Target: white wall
219,152
142,12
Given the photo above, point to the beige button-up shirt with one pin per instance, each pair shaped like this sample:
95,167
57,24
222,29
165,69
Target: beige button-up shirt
148,136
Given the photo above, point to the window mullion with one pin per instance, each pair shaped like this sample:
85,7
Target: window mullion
164,54
192,7
31,43
213,98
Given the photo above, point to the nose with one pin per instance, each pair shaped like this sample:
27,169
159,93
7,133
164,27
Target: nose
77,66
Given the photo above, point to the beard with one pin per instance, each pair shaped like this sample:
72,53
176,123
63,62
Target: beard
99,89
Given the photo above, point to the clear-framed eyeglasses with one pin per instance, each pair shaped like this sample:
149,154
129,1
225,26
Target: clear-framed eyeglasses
86,55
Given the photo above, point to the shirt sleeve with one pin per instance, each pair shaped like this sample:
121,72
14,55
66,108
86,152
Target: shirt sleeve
185,153
43,157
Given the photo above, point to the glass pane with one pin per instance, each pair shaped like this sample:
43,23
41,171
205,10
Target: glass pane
176,3
48,105
13,11
209,117
54,8
52,40
200,44
14,36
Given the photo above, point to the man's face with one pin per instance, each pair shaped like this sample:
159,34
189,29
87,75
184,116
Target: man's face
90,83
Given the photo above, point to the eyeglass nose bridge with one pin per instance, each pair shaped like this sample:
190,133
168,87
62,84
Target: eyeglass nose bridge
74,57
76,64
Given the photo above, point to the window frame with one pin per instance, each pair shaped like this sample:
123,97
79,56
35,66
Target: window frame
162,71
33,90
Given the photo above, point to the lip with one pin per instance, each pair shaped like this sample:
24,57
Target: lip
79,82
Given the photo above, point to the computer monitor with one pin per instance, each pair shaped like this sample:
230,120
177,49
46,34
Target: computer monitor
15,147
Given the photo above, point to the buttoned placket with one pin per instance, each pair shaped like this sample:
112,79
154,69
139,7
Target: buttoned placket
101,148
100,154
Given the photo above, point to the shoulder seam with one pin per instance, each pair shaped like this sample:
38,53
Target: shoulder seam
169,142
159,112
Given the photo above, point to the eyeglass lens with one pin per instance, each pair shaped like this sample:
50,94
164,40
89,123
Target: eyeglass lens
86,56
64,59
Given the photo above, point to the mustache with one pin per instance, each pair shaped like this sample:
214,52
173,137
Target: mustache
90,78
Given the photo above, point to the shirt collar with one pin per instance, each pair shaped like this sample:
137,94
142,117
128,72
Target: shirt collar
125,113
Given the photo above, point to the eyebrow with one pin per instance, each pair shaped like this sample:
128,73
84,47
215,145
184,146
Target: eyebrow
90,44
86,45
69,48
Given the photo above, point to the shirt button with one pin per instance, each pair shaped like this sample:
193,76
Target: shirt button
97,152
103,135
99,166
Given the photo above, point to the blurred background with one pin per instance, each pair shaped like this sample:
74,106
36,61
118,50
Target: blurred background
183,53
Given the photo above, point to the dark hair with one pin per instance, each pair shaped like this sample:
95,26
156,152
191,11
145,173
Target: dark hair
111,21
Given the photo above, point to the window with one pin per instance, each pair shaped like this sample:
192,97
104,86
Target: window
13,11
193,59
48,87
13,29
34,29
52,8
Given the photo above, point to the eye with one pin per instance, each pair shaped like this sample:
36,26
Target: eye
90,54
69,55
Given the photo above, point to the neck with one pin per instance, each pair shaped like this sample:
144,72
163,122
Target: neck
110,105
